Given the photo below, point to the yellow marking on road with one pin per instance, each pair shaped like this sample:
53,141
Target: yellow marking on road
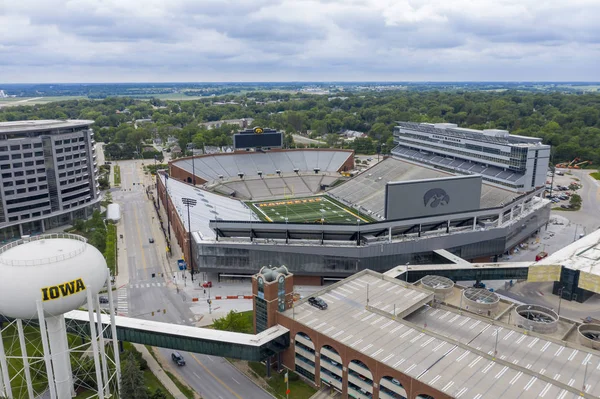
137,225
215,377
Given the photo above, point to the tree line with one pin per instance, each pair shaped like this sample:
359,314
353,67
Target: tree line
569,122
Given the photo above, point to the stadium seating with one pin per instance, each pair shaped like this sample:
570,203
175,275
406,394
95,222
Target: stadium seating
210,168
367,190
490,172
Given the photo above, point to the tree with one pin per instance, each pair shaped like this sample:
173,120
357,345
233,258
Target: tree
233,321
132,379
575,201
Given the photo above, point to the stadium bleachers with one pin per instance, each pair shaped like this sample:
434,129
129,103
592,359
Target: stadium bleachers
367,190
493,173
210,168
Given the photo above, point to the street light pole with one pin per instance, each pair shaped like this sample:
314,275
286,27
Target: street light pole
189,202
585,375
156,174
496,346
358,235
560,292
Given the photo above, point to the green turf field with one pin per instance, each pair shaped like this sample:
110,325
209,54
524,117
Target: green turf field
307,210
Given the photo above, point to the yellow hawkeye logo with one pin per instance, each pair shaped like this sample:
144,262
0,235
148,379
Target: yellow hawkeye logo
258,130
64,289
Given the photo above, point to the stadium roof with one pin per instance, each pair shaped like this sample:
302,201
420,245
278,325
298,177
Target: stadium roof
208,207
452,352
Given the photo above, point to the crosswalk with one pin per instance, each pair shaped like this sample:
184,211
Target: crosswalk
147,285
122,303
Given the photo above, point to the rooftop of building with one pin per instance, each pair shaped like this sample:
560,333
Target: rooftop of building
582,255
444,347
37,125
496,136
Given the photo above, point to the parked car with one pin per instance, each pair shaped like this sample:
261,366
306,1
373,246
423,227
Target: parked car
317,303
178,359
396,382
103,299
207,284
151,240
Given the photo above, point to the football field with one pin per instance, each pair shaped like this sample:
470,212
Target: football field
320,209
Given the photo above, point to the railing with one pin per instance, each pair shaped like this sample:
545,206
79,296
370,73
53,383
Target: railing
43,261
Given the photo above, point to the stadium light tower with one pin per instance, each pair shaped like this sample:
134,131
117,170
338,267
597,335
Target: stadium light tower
190,202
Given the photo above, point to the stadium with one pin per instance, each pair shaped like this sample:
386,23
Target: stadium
301,208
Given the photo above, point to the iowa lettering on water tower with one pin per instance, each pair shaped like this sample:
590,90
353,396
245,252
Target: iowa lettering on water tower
62,290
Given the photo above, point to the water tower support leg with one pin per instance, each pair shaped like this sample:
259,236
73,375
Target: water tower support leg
90,304
25,359
60,355
4,389
102,351
113,333
66,344
46,347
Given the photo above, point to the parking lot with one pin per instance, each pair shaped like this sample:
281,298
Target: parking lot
565,225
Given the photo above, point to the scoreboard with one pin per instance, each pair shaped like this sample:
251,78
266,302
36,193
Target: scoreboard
258,138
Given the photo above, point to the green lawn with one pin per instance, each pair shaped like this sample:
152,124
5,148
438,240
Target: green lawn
595,175
277,386
307,210
117,175
37,367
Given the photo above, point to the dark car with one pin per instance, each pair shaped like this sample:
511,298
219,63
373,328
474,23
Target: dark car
151,240
103,299
177,358
317,303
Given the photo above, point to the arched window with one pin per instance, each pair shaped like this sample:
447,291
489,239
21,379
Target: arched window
305,356
360,378
390,387
331,367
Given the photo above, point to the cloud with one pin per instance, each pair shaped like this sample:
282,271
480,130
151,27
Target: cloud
261,40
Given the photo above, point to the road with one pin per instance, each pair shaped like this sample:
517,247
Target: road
149,290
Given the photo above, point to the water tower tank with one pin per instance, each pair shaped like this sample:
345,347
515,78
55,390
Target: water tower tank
57,269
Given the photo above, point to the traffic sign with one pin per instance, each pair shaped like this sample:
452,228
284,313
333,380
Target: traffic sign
181,264
285,378
287,392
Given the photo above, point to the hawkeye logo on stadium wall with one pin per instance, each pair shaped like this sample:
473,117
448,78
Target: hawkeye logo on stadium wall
258,130
62,290
435,197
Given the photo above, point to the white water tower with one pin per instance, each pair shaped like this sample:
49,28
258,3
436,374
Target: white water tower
41,279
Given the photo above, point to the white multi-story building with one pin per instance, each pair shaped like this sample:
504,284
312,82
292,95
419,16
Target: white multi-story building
517,163
48,175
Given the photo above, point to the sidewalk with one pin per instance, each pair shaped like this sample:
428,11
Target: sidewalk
159,372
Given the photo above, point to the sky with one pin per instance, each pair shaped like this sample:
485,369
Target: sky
51,41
